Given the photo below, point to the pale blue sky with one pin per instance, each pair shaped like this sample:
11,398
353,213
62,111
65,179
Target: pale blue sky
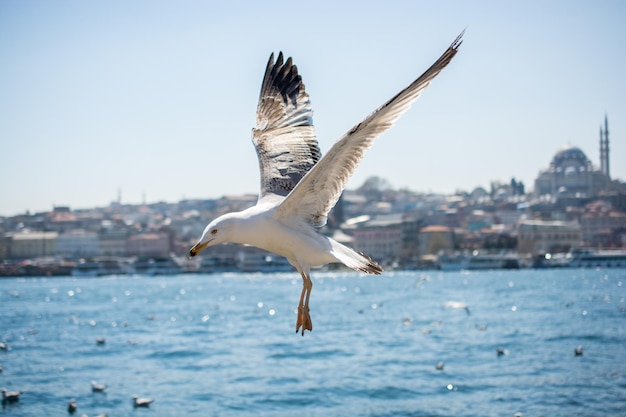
158,98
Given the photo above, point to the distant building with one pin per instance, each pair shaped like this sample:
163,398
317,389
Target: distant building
542,236
77,244
434,239
571,174
601,225
477,220
508,216
604,148
380,237
28,245
62,219
155,245
112,242
5,245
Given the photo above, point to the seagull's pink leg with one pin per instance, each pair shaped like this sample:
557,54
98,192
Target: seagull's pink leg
304,319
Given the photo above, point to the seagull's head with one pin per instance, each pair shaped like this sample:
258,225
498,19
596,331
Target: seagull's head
216,232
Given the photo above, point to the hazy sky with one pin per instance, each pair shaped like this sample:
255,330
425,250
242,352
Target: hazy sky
158,98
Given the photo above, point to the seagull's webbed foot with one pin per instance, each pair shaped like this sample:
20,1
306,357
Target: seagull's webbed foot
304,319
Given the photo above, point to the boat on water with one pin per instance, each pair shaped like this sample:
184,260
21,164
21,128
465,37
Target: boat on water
552,260
477,260
157,266
209,265
246,262
265,263
99,267
586,258
452,262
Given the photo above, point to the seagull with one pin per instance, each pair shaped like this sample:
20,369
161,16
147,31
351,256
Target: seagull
71,407
299,187
142,402
95,387
458,304
10,396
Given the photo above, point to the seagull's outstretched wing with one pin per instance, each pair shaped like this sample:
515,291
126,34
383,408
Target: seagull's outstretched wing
284,136
316,194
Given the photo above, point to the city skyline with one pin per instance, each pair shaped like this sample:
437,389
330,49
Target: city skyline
158,99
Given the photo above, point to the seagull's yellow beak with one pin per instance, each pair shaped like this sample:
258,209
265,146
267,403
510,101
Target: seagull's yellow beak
197,248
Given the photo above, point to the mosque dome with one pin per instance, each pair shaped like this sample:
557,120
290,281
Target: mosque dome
570,159
569,155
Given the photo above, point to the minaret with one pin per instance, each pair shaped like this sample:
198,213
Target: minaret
604,148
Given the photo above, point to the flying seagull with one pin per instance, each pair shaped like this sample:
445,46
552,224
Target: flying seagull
298,186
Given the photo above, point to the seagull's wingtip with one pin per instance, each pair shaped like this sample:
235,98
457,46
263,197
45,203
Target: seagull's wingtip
459,39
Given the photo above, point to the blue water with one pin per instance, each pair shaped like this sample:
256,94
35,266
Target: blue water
225,345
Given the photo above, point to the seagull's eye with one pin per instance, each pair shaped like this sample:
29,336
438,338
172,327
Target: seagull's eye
214,231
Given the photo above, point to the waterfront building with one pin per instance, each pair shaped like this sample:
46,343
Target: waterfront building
77,243
148,245
602,226
380,237
28,245
5,245
435,239
112,241
547,236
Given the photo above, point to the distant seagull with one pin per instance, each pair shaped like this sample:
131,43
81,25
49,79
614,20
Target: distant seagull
4,346
10,396
298,186
578,351
71,407
458,304
142,402
439,366
95,387
421,280
502,351
101,341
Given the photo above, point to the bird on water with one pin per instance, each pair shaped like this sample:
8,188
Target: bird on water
10,396
141,401
299,187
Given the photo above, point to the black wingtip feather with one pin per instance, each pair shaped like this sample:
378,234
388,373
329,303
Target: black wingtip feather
281,77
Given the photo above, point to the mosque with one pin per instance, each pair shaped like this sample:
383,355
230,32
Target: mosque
571,173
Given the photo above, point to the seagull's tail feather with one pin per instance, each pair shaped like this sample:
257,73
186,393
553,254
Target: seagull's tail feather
355,260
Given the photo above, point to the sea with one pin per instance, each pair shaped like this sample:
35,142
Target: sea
225,344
